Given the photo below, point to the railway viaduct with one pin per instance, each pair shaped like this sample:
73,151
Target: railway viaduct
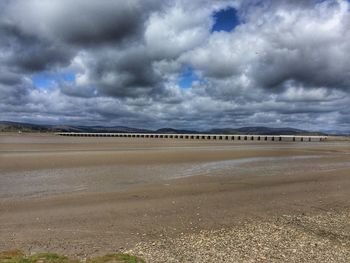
223,137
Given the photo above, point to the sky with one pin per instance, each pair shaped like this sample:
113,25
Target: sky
198,64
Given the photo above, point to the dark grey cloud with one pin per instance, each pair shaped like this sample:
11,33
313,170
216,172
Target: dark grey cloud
126,73
311,62
14,95
24,52
80,22
97,22
9,79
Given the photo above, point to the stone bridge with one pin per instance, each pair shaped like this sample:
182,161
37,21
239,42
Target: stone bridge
223,137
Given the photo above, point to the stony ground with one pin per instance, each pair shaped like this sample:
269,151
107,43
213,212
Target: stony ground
318,238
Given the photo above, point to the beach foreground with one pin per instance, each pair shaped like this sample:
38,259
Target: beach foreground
176,200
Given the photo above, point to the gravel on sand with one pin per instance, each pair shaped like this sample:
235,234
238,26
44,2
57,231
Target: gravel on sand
324,237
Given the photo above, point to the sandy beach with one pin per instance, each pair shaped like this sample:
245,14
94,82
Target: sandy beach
159,197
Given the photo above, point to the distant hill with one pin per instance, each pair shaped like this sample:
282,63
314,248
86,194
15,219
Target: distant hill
7,126
263,131
102,129
174,131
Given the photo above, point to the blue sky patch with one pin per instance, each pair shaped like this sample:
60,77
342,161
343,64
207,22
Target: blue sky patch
225,20
187,77
47,80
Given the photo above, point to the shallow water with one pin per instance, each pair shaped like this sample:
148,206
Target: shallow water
119,177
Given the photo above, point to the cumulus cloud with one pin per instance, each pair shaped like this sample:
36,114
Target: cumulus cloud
305,45
21,51
284,65
81,22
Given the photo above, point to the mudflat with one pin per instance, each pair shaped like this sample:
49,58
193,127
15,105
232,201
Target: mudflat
90,196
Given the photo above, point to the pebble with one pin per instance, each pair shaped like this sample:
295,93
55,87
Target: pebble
282,239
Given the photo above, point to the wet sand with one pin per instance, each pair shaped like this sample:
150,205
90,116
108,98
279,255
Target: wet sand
88,196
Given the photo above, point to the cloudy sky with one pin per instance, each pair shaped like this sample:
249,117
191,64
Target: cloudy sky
184,64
